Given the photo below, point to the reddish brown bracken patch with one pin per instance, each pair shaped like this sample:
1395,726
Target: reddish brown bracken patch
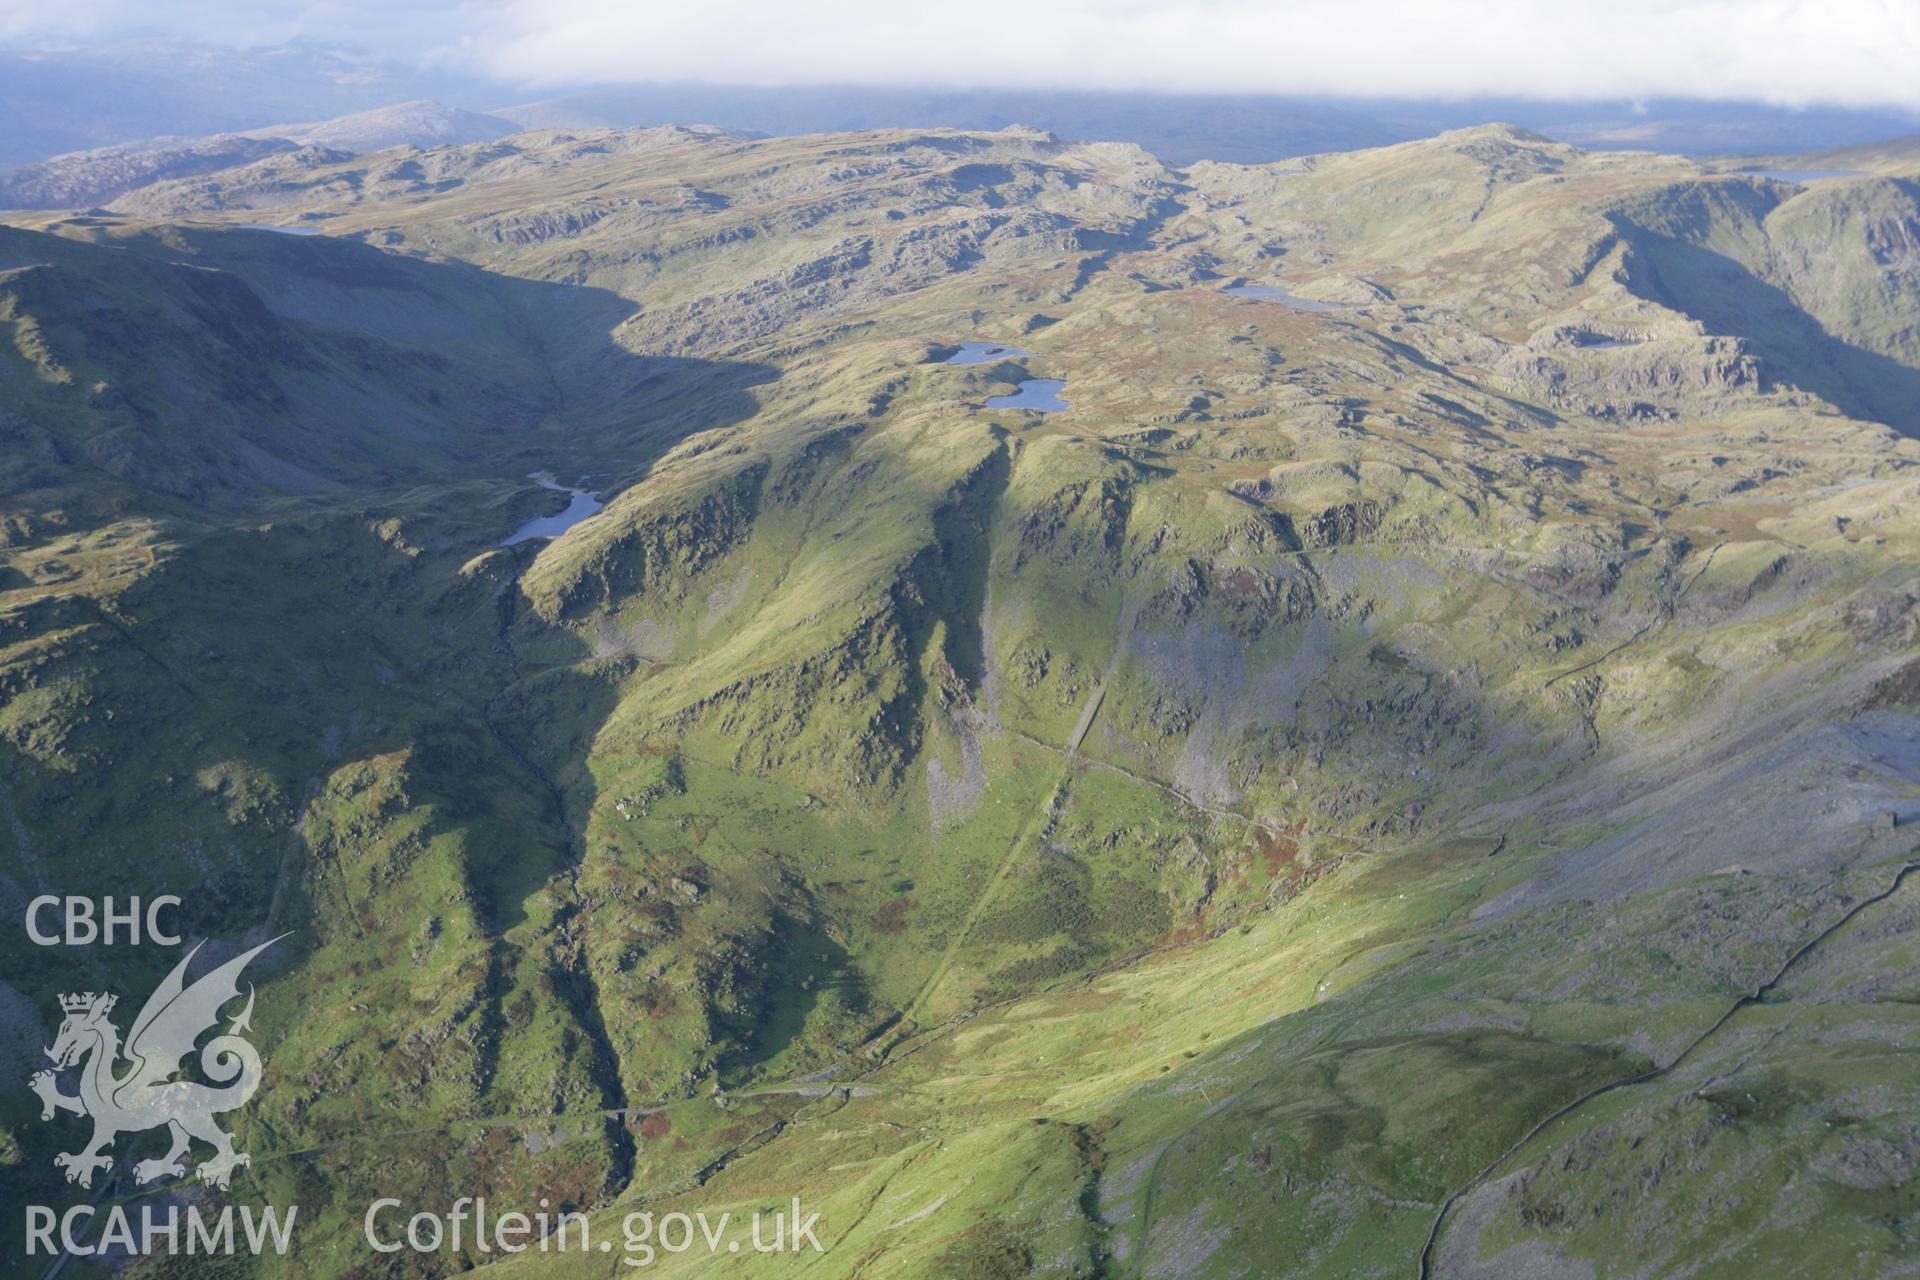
892,918
1240,584
1276,852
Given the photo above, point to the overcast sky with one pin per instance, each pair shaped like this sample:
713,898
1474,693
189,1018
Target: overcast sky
1841,52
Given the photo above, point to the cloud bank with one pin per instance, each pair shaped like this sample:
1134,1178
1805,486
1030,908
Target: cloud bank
1841,52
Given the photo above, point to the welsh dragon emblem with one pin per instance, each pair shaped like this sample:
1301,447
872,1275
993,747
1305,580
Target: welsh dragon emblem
146,1096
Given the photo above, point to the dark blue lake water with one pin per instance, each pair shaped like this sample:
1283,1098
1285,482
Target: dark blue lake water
984,353
1042,395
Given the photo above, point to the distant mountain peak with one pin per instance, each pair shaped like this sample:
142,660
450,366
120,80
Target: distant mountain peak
421,122
1497,131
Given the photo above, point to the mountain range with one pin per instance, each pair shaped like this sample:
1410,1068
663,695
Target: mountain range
58,101
82,179
1404,762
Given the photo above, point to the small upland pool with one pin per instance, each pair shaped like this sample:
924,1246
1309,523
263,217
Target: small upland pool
581,505
1042,395
984,353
